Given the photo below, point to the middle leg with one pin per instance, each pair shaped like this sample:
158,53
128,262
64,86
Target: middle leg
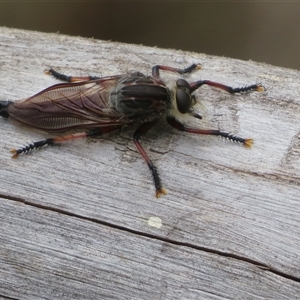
191,68
157,182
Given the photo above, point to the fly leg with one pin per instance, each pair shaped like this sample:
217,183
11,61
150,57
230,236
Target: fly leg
250,88
246,142
58,140
69,78
191,68
157,182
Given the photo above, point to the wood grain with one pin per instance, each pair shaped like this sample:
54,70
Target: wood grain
78,220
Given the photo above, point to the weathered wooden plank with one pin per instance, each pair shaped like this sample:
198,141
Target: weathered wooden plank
48,255
221,197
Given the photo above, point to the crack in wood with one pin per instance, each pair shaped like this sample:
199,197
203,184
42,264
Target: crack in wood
8,298
155,237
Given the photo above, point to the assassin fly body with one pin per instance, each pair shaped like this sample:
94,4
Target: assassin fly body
103,104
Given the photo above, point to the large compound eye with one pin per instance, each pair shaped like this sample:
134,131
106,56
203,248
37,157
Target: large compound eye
183,97
181,83
183,100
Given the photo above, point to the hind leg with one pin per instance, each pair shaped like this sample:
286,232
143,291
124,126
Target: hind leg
58,140
64,77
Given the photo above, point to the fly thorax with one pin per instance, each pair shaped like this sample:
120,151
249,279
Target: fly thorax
137,95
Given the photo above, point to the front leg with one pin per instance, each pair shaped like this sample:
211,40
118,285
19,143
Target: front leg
249,88
174,123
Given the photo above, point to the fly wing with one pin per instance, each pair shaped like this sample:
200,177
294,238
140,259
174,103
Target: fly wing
70,105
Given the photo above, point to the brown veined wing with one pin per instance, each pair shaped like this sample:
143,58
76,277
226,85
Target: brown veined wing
70,105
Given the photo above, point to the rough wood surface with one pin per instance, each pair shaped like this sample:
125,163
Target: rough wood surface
81,221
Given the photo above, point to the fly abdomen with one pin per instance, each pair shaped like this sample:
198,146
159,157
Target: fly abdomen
4,108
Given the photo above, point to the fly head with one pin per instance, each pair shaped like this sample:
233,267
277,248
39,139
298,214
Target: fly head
184,98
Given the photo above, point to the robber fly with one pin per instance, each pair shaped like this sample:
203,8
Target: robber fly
103,104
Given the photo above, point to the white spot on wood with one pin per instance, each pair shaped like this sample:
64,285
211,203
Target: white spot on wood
155,222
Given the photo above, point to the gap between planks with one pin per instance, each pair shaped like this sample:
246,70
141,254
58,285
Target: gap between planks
155,237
